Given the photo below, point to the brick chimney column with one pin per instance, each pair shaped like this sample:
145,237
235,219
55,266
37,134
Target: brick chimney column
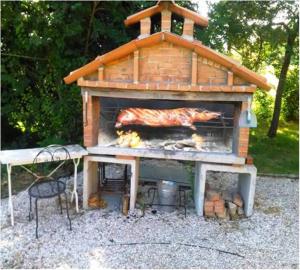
145,27
188,29
91,118
166,20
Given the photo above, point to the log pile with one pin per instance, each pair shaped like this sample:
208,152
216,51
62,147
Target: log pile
223,205
95,201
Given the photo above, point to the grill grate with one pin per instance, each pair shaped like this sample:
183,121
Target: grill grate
110,114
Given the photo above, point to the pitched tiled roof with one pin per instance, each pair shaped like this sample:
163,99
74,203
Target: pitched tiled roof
195,45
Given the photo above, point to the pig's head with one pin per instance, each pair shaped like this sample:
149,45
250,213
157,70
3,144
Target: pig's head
204,115
125,118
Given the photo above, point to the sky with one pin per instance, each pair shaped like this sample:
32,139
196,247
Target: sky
202,7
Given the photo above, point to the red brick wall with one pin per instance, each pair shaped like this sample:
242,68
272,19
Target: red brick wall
238,81
119,71
165,62
243,136
92,77
91,126
209,72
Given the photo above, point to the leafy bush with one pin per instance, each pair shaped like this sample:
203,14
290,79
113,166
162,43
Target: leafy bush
263,106
290,104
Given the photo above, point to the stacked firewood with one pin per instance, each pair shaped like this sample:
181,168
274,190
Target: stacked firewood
224,205
95,201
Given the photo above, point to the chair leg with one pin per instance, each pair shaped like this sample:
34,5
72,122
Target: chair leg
185,202
36,219
59,200
179,192
153,190
125,176
67,207
30,209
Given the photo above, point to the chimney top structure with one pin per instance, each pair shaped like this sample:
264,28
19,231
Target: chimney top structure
166,8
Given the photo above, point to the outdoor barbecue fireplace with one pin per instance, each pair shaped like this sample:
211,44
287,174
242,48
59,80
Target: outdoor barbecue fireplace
153,77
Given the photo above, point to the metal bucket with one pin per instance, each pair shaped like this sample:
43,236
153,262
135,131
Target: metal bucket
167,191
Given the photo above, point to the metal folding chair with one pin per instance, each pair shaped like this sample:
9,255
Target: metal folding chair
46,186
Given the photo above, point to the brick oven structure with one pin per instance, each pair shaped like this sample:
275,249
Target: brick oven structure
164,70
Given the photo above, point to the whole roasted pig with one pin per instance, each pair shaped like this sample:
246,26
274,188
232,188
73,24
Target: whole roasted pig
164,118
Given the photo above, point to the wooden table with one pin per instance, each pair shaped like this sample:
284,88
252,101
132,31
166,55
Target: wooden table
20,157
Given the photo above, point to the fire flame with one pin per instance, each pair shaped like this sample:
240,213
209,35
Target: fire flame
198,140
129,139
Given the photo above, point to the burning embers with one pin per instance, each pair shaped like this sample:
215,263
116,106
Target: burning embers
129,139
132,139
164,118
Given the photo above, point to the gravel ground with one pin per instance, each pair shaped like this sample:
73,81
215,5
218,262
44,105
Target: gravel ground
103,239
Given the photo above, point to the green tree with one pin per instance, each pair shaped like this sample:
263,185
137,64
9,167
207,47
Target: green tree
290,26
291,97
41,43
259,33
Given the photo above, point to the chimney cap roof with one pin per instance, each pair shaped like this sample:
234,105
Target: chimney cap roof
170,5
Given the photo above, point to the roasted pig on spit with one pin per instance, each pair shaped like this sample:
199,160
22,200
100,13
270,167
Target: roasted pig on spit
164,118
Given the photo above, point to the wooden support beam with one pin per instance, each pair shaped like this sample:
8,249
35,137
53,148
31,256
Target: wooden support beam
169,86
136,67
194,68
171,95
230,78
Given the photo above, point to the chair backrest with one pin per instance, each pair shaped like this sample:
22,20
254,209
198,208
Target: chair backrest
56,155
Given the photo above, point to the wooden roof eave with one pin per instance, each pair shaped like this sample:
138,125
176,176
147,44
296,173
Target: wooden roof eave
199,48
181,11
